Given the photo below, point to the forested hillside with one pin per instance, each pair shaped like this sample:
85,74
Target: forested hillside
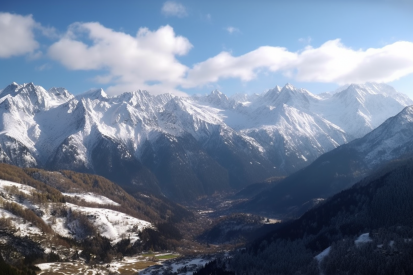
367,229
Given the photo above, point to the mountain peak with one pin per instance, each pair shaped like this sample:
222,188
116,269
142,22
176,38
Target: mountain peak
218,99
11,88
59,91
216,92
288,86
272,93
94,94
218,95
128,96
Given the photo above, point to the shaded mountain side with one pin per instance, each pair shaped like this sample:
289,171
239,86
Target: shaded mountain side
253,189
380,200
244,162
329,174
338,169
111,159
14,152
185,171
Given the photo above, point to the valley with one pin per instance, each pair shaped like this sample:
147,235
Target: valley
181,137
148,184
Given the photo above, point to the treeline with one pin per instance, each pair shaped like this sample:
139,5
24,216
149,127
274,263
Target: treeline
28,215
389,252
16,174
6,269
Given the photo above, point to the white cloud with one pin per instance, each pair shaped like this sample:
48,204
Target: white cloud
331,62
232,30
16,32
244,67
148,60
131,62
336,63
49,32
171,8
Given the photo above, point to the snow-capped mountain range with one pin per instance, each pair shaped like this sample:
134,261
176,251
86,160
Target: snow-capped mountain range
340,168
185,146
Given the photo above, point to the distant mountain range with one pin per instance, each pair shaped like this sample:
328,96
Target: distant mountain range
185,147
339,168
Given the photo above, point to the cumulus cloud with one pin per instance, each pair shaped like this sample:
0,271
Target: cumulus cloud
336,63
171,8
331,62
145,61
244,67
148,60
16,32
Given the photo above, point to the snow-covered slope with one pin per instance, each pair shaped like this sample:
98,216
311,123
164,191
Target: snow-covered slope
111,224
185,146
394,138
361,108
341,167
294,127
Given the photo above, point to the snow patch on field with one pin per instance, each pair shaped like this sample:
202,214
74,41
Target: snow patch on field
323,254
23,228
111,224
363,238
92,198
21,187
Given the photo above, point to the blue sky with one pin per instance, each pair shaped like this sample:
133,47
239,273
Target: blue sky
197,46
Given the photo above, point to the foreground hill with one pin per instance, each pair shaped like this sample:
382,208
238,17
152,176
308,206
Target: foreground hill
185,147
63,216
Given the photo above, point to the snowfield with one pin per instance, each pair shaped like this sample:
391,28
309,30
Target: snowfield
363,238
323,254
92,198
111,224
291,124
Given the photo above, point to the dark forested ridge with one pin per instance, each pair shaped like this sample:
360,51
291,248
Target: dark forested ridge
380,207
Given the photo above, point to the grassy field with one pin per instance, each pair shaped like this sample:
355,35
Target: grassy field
167,257
160,256
130,265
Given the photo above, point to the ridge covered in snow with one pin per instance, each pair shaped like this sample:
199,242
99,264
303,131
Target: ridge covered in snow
262,135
